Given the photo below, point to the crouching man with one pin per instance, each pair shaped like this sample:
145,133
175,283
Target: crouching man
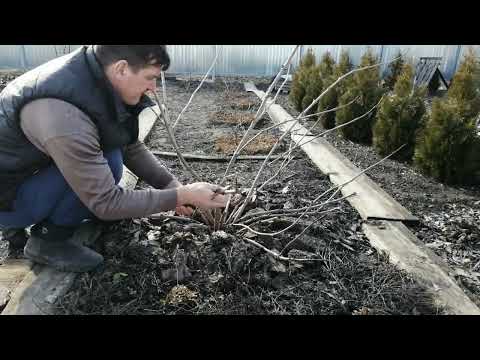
67,128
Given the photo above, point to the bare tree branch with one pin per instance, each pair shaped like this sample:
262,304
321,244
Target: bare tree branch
281,231
198,87
270,217
327,111
281,86
259,114
313,137
290,212
284,164
165,118
338,189
209,158
225,211
340,79
287,121
303,231
247,199
218,219
287,155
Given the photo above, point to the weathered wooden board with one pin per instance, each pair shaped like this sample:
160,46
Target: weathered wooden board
409,254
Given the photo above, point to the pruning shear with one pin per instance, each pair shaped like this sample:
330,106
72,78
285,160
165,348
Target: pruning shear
223,191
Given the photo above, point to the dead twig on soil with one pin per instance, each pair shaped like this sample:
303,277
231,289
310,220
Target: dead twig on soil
171,217
276,255
210,158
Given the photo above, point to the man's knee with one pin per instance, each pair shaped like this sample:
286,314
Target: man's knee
115,161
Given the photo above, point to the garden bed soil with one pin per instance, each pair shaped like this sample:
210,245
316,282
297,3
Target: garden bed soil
175,267
182,267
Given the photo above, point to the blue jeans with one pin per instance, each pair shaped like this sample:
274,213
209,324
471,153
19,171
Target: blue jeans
47,196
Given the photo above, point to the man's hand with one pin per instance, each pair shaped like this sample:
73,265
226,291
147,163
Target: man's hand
202,195
179,210
184,210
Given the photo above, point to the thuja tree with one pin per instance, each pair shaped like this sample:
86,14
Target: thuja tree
465,86
313,87
399,117
364,87
330,100
326,65
449,148
394,70
299,80
343,67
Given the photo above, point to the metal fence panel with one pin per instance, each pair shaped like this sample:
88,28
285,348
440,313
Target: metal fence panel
193,59
39,54
10,57
253,60
246,60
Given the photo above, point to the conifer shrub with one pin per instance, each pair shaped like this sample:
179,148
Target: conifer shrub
399,118
365,85
330,99
394,70
465,86
299,80
448,149
313,88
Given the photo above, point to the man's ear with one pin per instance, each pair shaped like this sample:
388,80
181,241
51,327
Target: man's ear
120,68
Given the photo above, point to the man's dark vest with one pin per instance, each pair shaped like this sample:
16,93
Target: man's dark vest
76,78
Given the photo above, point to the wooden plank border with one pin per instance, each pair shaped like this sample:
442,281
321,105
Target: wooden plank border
411,255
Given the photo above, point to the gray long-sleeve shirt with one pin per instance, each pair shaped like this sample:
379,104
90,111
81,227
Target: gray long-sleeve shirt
71,139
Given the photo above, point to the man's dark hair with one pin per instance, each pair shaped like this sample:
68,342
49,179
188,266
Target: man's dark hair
137,56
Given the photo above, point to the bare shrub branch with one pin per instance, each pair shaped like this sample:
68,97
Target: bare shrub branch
198,88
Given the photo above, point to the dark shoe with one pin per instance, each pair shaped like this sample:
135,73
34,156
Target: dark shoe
55,246
17,238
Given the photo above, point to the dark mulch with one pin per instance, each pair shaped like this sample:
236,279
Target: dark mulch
179,268
171,267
